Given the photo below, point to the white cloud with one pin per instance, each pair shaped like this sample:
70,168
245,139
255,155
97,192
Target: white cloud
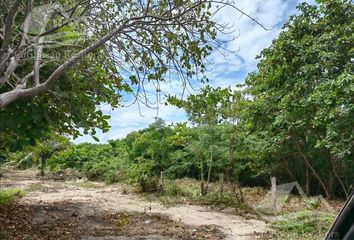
127,119
253,38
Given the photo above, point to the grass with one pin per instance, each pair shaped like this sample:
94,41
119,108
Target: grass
175,192
304,224
9,195
84,184
36,187
188,191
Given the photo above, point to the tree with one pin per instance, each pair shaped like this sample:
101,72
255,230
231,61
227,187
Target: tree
115,47
204,109
217,111
40,153
185,154
149,153
302,95
232,105
44,150
143,40
69,105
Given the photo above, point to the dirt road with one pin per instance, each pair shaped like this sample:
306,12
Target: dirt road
72,198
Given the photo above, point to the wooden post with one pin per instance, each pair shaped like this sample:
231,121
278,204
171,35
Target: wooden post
221,180
43,162
274,193
160,187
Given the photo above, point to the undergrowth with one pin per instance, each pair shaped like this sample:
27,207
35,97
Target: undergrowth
9,195
188,191
84,184
302,225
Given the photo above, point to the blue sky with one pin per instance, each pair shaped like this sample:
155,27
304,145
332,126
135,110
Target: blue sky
224,72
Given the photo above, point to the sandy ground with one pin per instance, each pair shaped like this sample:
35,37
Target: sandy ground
113,199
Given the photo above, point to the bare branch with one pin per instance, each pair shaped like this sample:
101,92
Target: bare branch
26,23
9,25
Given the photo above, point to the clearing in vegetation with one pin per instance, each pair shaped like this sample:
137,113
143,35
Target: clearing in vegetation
70,210
80,209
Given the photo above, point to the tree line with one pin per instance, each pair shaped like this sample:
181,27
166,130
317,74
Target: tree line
293,118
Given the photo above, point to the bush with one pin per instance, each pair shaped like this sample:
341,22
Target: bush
303,225
182,188
142,174
97,162
113,176
173,189
8,196
215,198
108,170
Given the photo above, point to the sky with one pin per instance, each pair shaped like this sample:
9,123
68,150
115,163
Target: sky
224,71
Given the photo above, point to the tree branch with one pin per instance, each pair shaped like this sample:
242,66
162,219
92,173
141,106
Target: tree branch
9,24
18,93
9,20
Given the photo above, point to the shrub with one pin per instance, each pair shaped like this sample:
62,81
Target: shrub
8,196
97,162
142,174
303,225
173,189
113,176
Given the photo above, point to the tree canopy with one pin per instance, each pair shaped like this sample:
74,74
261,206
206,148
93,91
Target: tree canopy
116,47
303,92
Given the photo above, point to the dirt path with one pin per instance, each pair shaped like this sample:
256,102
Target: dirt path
90,201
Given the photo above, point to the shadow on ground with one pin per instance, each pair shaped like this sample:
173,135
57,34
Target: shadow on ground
67,220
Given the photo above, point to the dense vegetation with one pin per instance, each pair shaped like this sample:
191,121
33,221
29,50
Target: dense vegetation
41,41
293,119
303,98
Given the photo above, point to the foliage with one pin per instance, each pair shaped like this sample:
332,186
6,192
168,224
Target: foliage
203,108
71,104
187,191
36,187
174,189
114,53
38,154
142,174
293,119
302,97
303,225
84,184
8,195
95,161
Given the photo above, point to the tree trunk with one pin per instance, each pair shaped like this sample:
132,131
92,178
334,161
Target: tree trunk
307,163
18,93
202,190
236,186
234,190
239,188
307,179
273,191
338,178
209,174
210,163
